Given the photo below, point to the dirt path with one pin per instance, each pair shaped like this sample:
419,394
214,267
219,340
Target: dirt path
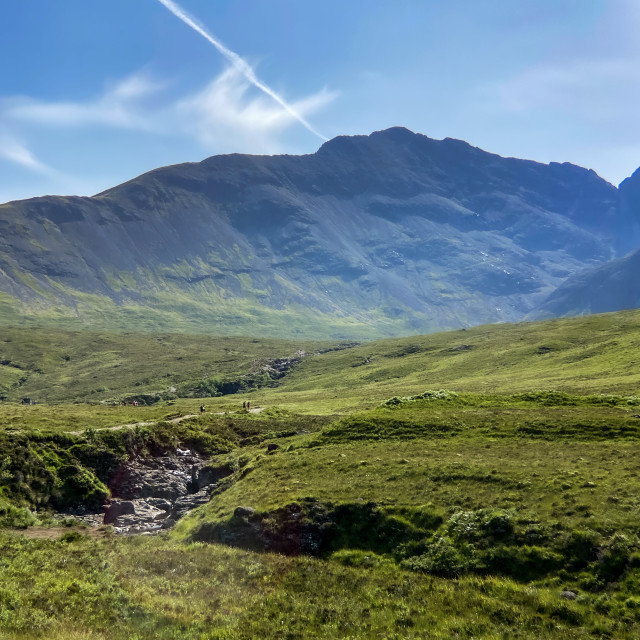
150,423
224,413
53,533
133,425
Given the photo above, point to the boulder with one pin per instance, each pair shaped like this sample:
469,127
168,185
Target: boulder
116,509
243,512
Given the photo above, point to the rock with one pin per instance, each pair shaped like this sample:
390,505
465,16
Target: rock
150,494
142,512
462,347
164,477
187,503
272,447
118,508
210,474
243,512
568,595
157,491
160,503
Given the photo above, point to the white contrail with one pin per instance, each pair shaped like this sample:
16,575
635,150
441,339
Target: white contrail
241,65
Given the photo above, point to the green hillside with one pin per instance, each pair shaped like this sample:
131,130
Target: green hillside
471,484
63,365
585,355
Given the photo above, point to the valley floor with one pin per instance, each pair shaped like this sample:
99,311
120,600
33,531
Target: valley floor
361,501
445,516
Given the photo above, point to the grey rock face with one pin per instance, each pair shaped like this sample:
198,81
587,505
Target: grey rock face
184,504
118,509
611,286
153,493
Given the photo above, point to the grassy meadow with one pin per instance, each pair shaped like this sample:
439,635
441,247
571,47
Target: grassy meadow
472,484
56,365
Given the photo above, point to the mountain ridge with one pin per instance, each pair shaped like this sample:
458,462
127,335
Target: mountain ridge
374,235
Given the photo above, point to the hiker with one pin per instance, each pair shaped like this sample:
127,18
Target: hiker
201,408
248,405
244,405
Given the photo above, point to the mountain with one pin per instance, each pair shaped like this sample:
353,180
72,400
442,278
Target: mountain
612,286
385,234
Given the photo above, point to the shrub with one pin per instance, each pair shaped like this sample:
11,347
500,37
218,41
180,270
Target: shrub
521,562
79,486
359,558
481,524
16,517
443,558
547,398
98,458
72,536
426,518
579,548
443,394
614,557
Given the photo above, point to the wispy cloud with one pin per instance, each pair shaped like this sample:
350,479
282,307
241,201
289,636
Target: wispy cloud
123,105
16,152
595,79
239,64
227,112
595,89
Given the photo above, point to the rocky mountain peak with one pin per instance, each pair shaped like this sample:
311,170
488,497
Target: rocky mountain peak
384,234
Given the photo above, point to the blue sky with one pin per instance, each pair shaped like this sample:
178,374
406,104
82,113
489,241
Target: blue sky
94,93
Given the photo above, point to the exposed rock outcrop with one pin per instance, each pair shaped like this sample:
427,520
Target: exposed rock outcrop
150,494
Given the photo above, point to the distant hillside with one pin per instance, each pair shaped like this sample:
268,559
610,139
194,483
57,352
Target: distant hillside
89,366
590,355
612,286
387,234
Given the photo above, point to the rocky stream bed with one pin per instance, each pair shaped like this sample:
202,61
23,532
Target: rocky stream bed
151,494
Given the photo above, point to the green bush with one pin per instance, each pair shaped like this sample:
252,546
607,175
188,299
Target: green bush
579,548
16,517
101,460
443,558
520,562
483,524
366,526
443,394
614,557
72,536
547,398
427,517
360,558
79,487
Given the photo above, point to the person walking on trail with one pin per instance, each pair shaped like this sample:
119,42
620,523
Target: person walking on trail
201,408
